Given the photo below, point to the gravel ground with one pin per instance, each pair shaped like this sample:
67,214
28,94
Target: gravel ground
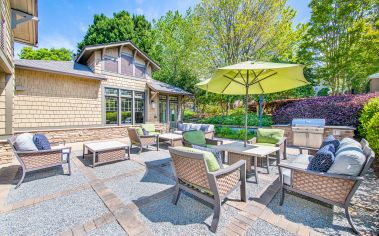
112,228
148,155
53,217
262,228
189,217
139,186
113,169
45,182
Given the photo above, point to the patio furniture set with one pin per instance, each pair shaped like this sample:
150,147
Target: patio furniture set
211,170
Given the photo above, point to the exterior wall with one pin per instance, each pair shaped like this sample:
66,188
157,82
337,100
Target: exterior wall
52,100
2,103
7,47
339,132
374,85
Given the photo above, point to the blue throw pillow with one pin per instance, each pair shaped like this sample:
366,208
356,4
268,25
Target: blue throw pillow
331,140
41,142
215,152
145,132
323,159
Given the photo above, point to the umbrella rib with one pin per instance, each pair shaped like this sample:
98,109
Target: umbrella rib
234,80
261,87
254,82
226,87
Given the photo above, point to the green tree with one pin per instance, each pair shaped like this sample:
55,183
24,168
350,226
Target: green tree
55,54
121,27
343,38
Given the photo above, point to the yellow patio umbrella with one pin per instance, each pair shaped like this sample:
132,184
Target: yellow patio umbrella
254,77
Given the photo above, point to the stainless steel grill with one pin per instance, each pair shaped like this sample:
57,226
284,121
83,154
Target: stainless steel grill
308,132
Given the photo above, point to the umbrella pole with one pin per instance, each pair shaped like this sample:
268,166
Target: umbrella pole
260,110
246,106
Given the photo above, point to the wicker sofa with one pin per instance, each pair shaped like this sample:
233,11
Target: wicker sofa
192,175
208,130
37,160
331,188
137,138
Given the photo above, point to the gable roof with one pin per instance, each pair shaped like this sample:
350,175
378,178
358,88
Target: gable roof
87,51
166,88
60,67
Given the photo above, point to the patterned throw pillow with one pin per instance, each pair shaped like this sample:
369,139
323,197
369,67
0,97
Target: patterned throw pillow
330,140
323,159
145,132
41,142
215,152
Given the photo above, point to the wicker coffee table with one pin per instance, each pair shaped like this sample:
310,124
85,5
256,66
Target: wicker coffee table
237,151
106,151
173,139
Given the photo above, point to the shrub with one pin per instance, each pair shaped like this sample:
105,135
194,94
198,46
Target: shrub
189,115
368,111
373,133
323,92
336,110
253,120
226,132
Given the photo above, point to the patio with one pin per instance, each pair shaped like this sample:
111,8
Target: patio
134,197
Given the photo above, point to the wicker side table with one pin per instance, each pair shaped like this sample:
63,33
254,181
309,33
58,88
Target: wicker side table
107,151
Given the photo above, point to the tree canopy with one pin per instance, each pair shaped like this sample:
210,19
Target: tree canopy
121,27
55,54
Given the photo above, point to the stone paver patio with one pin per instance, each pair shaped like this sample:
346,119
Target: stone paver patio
134,197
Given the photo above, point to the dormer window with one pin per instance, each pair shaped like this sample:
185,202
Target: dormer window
126,64
110,64
140,70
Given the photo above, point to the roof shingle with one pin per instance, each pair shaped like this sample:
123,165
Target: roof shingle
166,88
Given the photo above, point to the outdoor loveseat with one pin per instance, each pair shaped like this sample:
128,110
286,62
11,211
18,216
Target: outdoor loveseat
332,188
139,139
40,159
197,175
208,130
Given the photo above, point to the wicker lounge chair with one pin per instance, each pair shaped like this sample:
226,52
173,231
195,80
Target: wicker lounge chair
136,138
37,160
192,175
280,141
199,138
334,189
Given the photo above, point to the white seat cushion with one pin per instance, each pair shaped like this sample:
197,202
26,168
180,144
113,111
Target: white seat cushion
300,161
178,132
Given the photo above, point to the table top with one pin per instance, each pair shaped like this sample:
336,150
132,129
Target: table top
250,149
104,145
171,136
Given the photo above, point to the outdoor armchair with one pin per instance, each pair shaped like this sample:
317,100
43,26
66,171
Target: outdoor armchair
334,189
271,137
151,129
197,137
37,160
139,139
192,175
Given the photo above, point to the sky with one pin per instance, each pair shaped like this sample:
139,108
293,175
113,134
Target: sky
63,23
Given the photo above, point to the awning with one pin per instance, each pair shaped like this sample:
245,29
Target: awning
162,87
24,18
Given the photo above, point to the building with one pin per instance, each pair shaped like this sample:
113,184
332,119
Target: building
374,82
107,88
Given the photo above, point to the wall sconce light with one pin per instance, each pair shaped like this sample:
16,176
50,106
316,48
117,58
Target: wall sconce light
153,104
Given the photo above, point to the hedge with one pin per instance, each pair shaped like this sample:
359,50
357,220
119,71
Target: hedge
226,132
373,133
341,110
253,120
368,111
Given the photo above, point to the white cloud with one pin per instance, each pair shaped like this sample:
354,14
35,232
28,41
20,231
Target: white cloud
83,27
139,1
57,41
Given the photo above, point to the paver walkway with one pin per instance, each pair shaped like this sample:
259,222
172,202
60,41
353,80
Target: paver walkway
134,198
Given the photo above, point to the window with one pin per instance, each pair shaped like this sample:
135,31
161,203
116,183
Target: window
119,106
139,107
162,109
140,70
126,64
110,64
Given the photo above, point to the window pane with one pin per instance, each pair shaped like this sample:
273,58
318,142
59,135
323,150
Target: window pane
140,70
126,93
111,91
173,98
162,111
139,95
139,110
126,64
126,110
111,65
111,111
162,97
